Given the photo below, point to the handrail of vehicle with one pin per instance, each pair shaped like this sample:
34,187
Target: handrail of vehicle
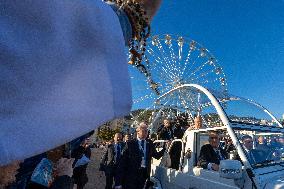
156,141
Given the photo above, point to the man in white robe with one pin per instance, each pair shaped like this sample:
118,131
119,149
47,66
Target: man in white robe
63,72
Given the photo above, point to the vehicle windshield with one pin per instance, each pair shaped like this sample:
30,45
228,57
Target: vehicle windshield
241,110
260,135
262,147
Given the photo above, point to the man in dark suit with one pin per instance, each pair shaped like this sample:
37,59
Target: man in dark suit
165,132
254,156
111,158
134,167
210,154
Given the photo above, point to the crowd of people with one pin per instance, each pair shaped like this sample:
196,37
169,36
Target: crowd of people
127,163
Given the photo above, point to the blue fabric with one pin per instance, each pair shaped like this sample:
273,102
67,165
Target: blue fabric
124,22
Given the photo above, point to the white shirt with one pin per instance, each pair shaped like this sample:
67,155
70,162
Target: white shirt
58,73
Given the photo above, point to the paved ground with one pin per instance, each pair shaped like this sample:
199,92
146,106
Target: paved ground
96,178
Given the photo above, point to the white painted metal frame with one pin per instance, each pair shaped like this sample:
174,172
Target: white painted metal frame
220,112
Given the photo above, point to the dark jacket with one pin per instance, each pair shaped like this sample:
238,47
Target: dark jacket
108,161
62,182
166,133
129,175
178,132
80,173
208,155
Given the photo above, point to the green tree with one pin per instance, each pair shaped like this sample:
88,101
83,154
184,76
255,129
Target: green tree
107,134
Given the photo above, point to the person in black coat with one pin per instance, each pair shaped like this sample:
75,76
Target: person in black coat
210,154
254,156
111,158
165,132
82,155
175,151
135,164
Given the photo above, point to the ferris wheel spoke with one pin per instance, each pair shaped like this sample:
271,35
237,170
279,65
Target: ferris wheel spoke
187,59
167,61
158,59
166,69
202,75
191,65
198,68
172,55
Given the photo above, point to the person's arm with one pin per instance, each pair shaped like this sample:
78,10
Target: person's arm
202,159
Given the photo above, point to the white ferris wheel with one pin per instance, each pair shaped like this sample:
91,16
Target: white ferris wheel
172,61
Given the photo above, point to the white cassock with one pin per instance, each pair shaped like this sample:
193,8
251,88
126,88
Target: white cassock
63,72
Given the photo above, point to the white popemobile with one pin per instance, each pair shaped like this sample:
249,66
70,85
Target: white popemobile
234,117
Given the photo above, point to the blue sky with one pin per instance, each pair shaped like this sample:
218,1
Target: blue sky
246,37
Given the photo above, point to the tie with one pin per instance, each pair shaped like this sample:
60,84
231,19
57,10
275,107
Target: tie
118,150
142,144
220,157
251,158
144,154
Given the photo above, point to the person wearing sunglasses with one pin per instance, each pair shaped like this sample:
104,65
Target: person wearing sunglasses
211,154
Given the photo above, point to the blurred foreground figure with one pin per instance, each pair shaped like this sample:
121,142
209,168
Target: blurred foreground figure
58,72
8,173
82,156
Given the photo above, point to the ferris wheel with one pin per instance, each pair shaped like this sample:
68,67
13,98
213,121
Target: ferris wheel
172,61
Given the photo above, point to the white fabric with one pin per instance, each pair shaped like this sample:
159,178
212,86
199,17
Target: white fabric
63,72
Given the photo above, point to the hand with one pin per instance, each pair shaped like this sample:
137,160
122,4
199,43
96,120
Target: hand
167,144
118,187
215,167
64,167
188,153
150,6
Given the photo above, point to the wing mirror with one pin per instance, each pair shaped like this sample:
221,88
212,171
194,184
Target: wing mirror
230,169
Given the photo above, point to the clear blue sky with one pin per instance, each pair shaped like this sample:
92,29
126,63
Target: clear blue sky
247,38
